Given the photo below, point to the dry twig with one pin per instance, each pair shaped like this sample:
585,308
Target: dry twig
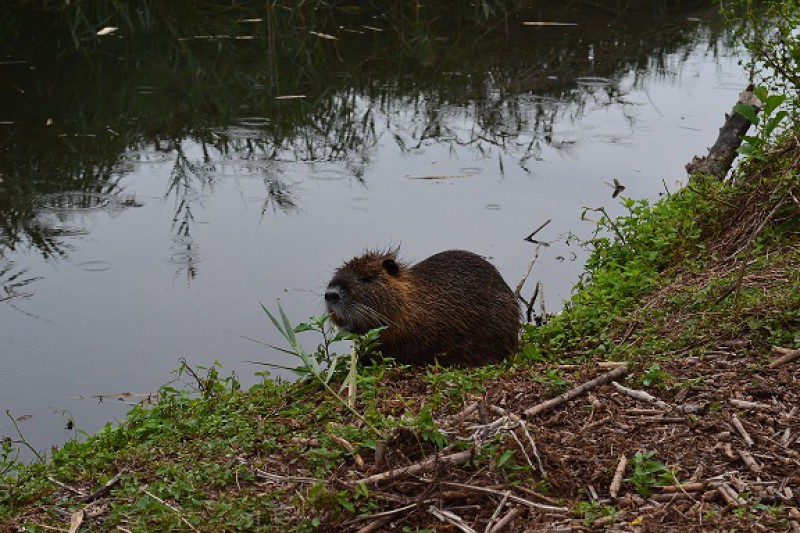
743,432
787,356
575,392
616,481
640,395
428,464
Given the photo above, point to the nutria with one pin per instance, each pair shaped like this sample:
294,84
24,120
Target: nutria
453,307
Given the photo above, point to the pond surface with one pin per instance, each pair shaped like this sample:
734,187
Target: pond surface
162,181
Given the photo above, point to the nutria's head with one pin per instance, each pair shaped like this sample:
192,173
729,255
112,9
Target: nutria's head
363,293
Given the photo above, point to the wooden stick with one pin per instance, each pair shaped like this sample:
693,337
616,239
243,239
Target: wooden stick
376,525
349,447
729,495
73,490
529,238
744,404
518,291
451,518
521,423
685,487
428,464
787,436
102,491
743,432
616,482
171,507
511,497
282,479
496,512
640,395
577,391
749,461
379,517
788,356
506,520
76,520
464,413
671,496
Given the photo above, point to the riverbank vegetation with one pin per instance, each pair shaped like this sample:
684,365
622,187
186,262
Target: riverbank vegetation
663,397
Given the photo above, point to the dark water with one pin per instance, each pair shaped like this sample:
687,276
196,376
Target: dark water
159,183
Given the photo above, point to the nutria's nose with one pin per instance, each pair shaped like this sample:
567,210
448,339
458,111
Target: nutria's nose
332,296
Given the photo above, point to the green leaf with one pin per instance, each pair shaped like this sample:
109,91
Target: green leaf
747,111
505,457
287,325
773,102
761,93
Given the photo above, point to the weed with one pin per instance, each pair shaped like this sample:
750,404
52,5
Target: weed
647,472
426,427
592,510
655,377
770,119
553,379
313,363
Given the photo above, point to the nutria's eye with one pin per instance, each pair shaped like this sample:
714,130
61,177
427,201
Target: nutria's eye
391,267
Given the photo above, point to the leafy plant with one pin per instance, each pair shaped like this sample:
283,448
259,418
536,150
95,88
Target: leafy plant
313,364
553,379
427,429
654,376
592,510
768,30
771,117
647,472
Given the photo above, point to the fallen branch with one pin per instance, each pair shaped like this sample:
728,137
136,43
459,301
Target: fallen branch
76,520
641,396
64,486
518,291
170,507
102,491
616,481
787,357
455,459
751,463
577,391
507,519
349,447
278,478
685,487
496,512
721,155
451,518
743,432
730,496
376,525
744,404
521,424
511,497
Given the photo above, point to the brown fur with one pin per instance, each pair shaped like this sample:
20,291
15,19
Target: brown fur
453,307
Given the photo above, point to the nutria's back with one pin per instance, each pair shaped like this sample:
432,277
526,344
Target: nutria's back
453,307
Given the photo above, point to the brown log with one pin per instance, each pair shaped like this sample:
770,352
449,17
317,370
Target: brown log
720,156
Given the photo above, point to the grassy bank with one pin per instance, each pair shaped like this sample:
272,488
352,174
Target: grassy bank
699,294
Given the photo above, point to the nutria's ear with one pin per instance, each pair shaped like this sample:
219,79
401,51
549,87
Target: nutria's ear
391,267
